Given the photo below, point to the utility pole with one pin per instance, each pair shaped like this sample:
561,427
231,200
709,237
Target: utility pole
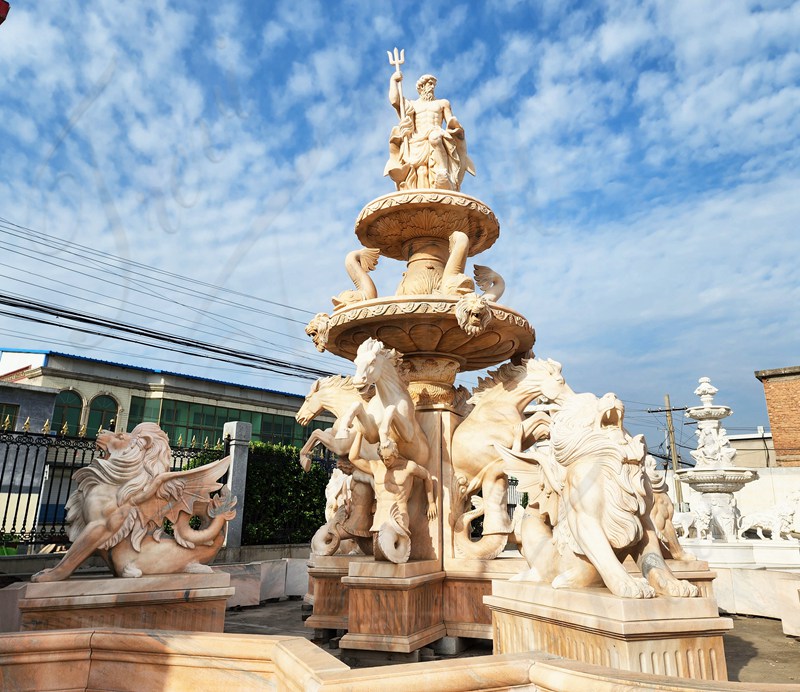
674,453
668,409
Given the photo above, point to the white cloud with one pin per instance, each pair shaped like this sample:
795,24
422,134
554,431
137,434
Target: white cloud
640,156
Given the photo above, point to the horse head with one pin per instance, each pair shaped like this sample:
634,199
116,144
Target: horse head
312,406
371,361
545,377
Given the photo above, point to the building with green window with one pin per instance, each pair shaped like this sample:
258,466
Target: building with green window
95,395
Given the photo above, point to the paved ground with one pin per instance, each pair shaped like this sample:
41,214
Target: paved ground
756,649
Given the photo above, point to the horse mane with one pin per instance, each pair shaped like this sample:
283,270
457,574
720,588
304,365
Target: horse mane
376,346
339,381
506,373
342,382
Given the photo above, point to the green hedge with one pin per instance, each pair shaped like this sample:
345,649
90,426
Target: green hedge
283,504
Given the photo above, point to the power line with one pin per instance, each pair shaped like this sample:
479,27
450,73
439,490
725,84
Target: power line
64,245
206,349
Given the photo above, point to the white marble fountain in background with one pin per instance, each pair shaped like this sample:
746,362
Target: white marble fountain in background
756,555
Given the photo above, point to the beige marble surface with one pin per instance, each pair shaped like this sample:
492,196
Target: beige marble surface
193,602
664,636
136,660
389,570
590,607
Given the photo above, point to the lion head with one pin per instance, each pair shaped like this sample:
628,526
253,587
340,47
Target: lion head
589,429
317,329
473,313
128,460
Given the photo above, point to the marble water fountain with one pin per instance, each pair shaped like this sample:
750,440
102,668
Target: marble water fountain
600,595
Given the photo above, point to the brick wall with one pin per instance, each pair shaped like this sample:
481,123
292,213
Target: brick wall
782,392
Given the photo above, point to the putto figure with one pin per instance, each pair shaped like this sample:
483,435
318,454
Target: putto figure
422,154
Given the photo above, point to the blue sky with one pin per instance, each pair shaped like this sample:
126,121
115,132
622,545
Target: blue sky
642,158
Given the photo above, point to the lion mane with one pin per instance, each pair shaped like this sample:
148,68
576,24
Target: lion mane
318,329
473,313
578,435
146,455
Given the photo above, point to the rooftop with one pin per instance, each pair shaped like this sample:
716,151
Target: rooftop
156,371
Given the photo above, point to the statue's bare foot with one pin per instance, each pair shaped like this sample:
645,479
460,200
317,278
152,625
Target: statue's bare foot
197,568
46,575
631,588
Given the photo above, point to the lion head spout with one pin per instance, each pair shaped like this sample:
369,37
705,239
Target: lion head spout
473,313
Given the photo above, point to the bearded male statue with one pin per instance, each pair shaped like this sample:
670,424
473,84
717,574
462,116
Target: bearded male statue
422,154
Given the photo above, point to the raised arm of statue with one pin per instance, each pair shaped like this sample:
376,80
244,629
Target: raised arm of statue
395,96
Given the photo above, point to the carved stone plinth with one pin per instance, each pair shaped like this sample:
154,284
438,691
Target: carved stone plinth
467,582
331,602
666,636
395,608
185,602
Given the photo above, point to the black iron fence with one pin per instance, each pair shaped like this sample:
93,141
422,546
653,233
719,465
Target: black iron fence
36,480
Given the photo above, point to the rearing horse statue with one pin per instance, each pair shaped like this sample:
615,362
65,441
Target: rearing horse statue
337,395
497,418
389,419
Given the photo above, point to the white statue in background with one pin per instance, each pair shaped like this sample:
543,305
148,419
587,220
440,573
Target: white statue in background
421,153
699,519
121,502
713,447
778,520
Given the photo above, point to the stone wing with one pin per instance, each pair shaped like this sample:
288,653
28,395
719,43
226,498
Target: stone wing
178,491
539,476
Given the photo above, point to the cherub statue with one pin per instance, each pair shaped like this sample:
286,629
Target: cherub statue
394,481
121,502
421,153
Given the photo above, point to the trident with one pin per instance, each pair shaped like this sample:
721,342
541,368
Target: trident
398,59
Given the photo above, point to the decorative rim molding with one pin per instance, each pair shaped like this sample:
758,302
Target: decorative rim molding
417,325
408,305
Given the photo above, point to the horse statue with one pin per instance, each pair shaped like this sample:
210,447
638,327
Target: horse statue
496,419
353,518
336,394
389,419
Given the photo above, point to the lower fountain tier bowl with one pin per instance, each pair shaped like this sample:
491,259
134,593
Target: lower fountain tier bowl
427,325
